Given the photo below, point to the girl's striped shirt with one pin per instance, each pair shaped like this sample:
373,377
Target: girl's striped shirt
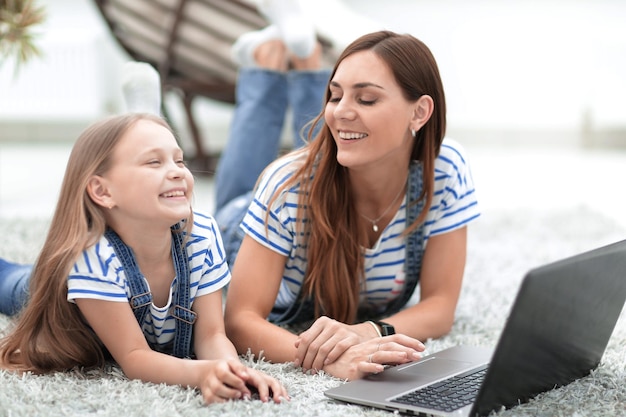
99,274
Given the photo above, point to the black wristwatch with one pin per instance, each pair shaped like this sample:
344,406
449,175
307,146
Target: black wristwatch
386,329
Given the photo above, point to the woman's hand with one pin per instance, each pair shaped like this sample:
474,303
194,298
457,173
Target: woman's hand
326,340
371,356
230,379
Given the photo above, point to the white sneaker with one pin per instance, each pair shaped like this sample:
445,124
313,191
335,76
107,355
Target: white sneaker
337,22
242,51
295,27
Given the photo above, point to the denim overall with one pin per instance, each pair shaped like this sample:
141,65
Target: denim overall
303,310
141,298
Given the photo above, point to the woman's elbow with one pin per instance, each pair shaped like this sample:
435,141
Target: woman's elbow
236,326
443,326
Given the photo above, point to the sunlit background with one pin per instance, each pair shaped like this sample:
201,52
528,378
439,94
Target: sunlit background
536,91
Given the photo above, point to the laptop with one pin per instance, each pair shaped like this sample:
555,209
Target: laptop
557,330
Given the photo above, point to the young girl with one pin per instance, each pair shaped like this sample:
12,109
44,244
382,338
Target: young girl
128,270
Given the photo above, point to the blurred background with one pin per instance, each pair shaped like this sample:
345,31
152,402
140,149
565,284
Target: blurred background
535,91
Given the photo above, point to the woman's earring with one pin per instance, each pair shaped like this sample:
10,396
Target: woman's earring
413,132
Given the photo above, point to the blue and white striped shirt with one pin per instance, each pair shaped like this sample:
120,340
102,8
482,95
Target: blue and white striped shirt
99,274
454,205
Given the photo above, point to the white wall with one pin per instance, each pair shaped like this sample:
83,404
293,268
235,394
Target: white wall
542,66
72,83
515,72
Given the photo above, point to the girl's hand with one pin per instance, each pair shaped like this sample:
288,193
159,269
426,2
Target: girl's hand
267,386
371,356
229,379
224,380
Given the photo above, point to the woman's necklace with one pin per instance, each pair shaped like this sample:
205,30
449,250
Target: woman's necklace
376,220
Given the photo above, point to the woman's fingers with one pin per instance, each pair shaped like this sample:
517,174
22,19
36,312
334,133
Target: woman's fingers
331,349
322,338
396,342
393,357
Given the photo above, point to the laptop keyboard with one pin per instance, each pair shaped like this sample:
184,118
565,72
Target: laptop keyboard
447,395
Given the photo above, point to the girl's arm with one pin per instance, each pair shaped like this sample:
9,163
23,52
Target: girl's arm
117,328
256,277
210,342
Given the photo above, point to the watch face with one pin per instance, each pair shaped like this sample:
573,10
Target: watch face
386,329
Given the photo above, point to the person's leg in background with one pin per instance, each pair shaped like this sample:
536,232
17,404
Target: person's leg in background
254,136
255,131
307,84
280,68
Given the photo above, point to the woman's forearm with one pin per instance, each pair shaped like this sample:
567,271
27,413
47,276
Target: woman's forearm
248,331
431,318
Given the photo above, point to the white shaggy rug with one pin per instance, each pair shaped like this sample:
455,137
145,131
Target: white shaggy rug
503,246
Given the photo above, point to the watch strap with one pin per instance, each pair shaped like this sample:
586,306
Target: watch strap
386,329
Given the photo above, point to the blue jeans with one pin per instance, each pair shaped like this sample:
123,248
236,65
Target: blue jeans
263,97
14,279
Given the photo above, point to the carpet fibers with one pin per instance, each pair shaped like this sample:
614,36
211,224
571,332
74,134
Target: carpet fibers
503,245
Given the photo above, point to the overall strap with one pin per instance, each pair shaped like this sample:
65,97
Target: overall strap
185,317
414,242
141,298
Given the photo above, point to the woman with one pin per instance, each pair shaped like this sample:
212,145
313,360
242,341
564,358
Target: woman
341,231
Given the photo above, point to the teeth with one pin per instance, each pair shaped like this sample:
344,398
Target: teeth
174,194
351,135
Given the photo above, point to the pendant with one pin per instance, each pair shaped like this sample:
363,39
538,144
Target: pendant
375,227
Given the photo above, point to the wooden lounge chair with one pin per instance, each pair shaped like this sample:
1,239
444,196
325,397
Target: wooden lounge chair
188,42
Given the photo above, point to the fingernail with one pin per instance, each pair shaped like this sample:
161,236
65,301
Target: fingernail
296,362
379,368
415,355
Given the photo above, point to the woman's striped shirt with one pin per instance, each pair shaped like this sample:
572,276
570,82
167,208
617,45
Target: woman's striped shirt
99,274
454,205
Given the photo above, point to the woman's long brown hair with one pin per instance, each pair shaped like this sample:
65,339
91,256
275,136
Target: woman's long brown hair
335,257
50,333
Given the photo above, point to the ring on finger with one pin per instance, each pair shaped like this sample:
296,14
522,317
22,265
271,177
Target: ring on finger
369,358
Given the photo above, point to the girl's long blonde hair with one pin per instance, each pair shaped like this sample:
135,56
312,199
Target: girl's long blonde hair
335,257
50,333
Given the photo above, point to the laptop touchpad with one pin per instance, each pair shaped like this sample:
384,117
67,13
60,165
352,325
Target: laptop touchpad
434,367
